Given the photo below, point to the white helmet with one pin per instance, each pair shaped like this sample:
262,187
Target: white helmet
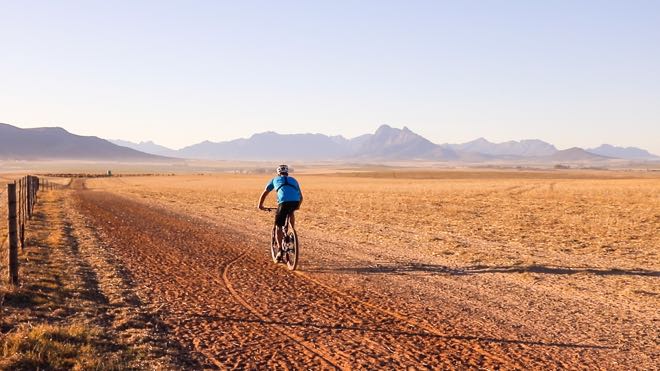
282,169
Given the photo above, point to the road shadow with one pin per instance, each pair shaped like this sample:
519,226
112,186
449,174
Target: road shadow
421,268
424,334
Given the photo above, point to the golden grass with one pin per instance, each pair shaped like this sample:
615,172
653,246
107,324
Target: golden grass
481,218
47,346
467,173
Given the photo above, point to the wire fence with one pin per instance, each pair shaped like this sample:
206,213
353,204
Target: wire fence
17,200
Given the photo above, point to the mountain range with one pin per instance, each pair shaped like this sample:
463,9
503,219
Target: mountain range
386,144
523,148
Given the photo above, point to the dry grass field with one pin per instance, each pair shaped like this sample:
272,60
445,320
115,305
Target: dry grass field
488,218
556,269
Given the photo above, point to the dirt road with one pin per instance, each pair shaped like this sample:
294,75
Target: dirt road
221,296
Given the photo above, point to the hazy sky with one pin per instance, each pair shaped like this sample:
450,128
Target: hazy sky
575,73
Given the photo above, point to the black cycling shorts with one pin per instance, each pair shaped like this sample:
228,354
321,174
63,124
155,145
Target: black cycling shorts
284,210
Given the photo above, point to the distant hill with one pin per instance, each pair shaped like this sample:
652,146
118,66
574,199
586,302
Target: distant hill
57,143
575,154
523,148
270,145
628,153
147,147
389,143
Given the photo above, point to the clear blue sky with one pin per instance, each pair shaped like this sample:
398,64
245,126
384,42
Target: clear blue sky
575,73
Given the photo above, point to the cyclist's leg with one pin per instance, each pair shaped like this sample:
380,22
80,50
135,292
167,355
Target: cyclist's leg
280,220
292,215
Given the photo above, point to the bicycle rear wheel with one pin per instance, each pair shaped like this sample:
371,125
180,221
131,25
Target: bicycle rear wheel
291,249
273,245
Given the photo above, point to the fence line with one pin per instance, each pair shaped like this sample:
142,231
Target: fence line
22,195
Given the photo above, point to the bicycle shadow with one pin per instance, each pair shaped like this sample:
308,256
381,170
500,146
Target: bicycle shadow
432,269
428,335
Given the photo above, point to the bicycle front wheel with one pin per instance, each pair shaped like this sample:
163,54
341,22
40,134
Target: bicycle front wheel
273,245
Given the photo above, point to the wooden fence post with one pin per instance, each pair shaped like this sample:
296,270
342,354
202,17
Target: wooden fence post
13,234
20,207
36,191
24,199
21,211
29,197
23,205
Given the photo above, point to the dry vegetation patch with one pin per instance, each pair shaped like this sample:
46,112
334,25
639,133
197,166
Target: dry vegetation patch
49,346
58,317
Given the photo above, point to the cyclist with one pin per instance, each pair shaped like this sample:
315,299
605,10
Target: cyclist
289,199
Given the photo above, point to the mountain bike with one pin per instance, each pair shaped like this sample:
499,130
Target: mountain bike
290,248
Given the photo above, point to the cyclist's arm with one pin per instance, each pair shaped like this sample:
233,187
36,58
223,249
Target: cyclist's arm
262,199
301,200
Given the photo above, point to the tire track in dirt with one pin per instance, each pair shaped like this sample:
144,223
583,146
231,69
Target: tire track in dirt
322,353
350,323
399,316
205,283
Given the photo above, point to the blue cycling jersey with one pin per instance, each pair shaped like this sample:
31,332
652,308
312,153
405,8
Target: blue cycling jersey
287,188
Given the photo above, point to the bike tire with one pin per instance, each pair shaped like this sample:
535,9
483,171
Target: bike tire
292,251
273,245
